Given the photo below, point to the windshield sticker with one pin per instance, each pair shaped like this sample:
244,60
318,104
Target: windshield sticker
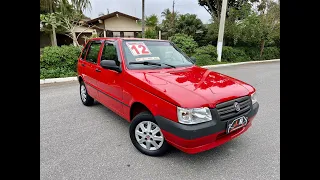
147,58
138,48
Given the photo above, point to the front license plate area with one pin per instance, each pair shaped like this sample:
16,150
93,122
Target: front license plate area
235,124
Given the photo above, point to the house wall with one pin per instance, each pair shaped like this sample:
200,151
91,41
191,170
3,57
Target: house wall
80,29
121,24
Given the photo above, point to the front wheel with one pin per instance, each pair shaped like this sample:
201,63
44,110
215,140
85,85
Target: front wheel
86,99
146,135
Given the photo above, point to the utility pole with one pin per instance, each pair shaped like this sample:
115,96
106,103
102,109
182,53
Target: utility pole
143,19
221,29
173,13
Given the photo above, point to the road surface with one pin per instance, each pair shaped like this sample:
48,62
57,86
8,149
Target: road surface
79,142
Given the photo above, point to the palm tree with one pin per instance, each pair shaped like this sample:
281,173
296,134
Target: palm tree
81,5
165,13
152,20
48,6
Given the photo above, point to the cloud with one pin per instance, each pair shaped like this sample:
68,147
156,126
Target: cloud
134,7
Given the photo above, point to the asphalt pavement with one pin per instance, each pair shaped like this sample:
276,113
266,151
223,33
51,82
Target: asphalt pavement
79,142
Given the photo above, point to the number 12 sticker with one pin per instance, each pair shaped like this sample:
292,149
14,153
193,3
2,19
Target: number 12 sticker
138,48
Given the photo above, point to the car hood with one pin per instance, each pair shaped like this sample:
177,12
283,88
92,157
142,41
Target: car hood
192,86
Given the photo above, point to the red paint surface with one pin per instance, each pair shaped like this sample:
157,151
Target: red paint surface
161,91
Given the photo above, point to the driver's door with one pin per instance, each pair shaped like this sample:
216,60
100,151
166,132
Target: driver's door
110,81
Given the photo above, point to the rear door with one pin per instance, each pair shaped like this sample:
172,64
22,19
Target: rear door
91,68
81,62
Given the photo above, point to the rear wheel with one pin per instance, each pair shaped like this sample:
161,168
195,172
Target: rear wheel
86,99
146,135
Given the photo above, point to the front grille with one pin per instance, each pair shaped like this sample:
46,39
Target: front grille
226,110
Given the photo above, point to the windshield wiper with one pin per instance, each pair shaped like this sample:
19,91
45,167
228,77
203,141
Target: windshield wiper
151,63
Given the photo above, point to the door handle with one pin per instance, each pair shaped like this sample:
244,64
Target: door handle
83,65
98,70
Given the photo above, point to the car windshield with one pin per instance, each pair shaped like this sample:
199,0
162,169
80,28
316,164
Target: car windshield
144,54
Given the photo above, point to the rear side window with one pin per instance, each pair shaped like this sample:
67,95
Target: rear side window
84,52
93,52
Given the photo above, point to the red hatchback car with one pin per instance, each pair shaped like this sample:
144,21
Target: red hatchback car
165,96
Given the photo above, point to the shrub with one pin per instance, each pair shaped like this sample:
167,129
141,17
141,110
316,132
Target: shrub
252,52
271,53
55,73
230,54
59,61
184,42
151,33
205,55
203,59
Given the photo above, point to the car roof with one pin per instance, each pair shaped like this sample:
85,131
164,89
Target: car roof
122,38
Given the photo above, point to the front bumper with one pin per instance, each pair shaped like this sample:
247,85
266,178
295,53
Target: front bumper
200,137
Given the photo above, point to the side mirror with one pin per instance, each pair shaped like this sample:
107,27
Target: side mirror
110,64
193,59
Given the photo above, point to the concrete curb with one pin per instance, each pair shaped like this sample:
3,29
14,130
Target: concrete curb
248,62
56,80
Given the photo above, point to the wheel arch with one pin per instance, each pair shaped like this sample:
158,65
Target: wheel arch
136,108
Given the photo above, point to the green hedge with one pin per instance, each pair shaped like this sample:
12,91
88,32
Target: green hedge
252,52
271,53
59,61
205,55
230,54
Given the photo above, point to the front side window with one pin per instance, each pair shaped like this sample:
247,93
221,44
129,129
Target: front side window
92,55
110,53
146,54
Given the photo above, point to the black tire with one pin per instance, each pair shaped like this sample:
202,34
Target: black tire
88,101
146,116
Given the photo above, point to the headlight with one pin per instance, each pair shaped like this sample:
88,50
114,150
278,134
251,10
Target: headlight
254,98
193,116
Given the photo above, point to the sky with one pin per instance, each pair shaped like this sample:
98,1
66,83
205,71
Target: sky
134,8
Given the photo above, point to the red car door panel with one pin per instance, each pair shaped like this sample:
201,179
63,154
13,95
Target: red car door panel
90,65
109,81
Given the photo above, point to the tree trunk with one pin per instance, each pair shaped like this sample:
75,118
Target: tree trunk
218,10
74,39
53,37
262,47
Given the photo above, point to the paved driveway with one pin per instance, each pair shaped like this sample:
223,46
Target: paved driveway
79,142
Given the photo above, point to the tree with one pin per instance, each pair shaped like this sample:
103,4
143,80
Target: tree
152,20
263,26
232,32
151,33
50,21
214,6
81,5
185,43
189,24
165,13
167,24
63,15
48,6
